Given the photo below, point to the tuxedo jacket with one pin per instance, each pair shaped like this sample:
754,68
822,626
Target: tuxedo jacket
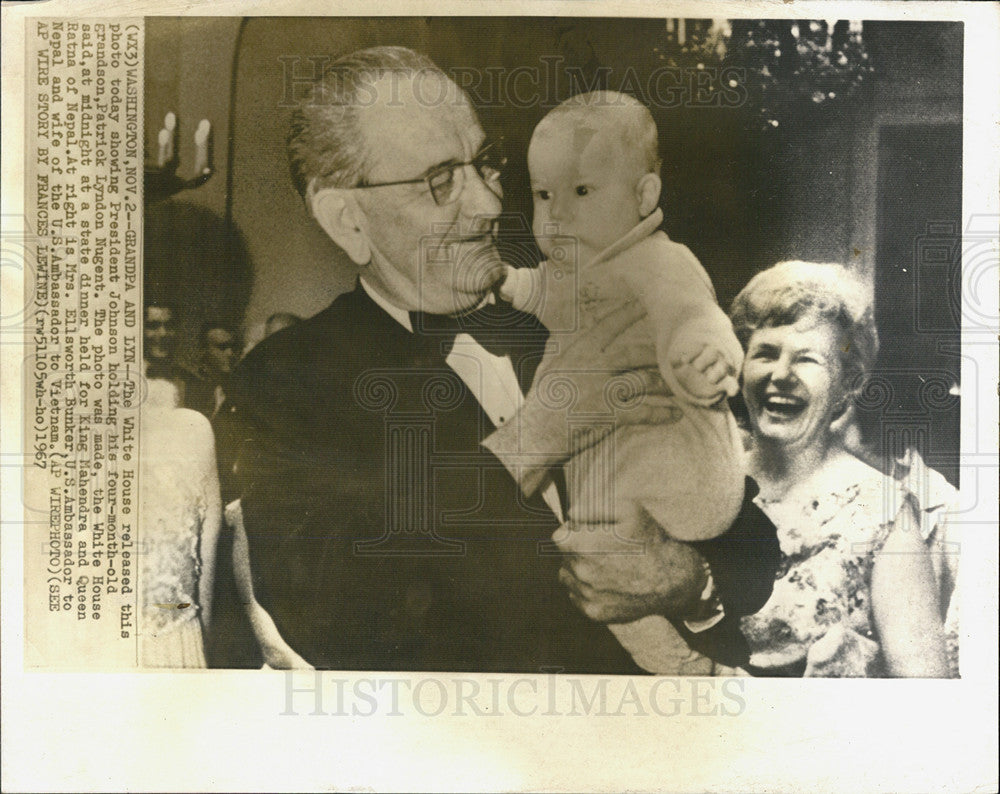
382,534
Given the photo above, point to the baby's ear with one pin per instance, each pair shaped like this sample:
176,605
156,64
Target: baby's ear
648,190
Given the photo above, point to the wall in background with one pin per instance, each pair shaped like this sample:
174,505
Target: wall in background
190,261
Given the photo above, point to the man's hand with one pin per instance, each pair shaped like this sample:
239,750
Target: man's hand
703,370
583,391
616,573
608,371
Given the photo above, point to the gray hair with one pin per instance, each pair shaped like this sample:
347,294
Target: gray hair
789,291
325,145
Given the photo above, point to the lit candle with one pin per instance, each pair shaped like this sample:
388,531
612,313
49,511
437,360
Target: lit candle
201,146
719,32
170,126
163,143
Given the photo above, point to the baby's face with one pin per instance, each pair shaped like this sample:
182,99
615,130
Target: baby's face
583,187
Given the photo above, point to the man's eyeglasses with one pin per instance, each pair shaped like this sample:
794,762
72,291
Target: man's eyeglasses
447,181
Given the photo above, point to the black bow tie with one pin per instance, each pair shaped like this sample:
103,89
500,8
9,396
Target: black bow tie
503,331
498,327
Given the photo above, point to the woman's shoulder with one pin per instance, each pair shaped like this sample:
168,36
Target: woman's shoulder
857,499
871,496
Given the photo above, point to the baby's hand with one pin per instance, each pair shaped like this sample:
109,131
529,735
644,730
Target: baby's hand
702,370
522,288
506,287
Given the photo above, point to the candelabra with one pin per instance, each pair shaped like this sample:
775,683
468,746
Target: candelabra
694,42
161,179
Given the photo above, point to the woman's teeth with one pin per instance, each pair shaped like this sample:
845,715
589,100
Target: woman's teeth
784,405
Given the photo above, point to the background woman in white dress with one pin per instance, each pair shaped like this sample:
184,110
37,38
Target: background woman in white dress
180,516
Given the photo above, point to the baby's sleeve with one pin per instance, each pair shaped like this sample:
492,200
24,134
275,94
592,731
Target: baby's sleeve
679,300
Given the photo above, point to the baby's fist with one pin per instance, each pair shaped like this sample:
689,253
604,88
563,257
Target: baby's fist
703,371
522,288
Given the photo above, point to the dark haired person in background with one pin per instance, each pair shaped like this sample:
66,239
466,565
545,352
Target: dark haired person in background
218,353
165,380
159,340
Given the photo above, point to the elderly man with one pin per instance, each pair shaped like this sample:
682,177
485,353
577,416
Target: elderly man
380,532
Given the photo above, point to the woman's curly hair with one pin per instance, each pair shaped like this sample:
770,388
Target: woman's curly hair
789,291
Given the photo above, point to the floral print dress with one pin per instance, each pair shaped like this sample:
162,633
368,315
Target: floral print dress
818,621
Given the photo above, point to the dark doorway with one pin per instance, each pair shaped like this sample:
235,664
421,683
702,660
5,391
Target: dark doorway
917,294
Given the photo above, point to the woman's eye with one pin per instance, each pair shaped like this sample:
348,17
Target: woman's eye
582,190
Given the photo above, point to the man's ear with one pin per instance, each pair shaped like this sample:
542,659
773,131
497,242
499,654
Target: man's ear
340,217
648,189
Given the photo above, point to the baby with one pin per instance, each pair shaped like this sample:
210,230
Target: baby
595,181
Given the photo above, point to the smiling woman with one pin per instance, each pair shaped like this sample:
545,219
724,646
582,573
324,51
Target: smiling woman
855,594
793,383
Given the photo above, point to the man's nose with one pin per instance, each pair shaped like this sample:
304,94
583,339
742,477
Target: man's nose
478,199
